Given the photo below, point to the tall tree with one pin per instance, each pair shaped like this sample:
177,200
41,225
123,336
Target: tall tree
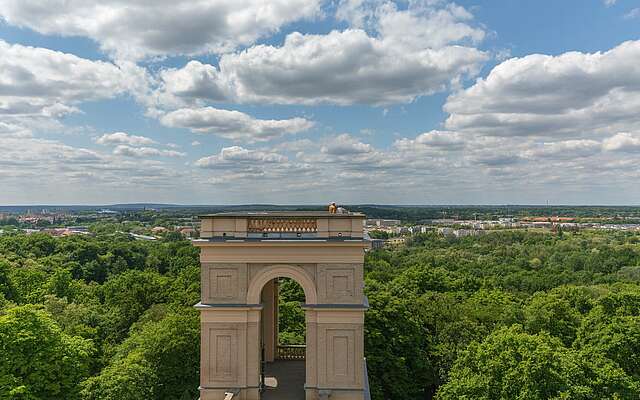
38,360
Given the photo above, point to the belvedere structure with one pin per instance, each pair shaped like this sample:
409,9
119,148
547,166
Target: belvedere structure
242,256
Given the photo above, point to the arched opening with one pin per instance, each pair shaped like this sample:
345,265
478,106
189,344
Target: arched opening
283,341
283,325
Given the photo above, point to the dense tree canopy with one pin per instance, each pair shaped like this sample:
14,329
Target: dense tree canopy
98,318
508,315
513,364
39,360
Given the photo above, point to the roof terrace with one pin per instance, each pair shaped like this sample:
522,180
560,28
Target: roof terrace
282,225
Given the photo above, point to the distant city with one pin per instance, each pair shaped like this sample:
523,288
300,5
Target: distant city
388,225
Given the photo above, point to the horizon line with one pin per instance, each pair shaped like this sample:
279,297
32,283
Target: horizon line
315,205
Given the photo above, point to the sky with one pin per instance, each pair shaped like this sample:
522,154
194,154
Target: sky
311,101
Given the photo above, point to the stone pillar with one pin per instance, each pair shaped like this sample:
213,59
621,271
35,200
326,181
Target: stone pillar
230,351
335,351
270,319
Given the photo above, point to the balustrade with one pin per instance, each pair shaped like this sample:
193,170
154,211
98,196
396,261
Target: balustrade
291,352
268,225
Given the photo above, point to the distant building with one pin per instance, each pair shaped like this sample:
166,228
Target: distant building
34,219
540,224
142,237
467,232
443,221
187,231
158,230
70,231
377,243
107,212
549,219
78,228
395,242
383,223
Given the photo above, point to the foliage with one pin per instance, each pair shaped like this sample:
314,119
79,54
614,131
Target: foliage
39,360
612,328
291,320
104,314
512,364
159,360
379,234
507,315
553,314
573,298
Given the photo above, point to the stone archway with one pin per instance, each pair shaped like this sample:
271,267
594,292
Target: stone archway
243,252
285,362
282,271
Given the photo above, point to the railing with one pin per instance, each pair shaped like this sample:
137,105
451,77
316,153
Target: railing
293,225
291,352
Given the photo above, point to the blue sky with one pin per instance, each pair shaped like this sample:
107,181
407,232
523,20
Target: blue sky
310,101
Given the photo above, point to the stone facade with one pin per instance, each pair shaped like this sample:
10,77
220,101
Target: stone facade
239,304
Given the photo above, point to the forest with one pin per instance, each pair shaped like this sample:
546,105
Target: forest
508,315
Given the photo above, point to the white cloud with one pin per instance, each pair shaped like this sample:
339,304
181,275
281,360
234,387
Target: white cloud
143,152
194,81
246,166
411,53
127,145
62,171
573,95
421,25
37,82
534,124
124,138
634,13
345,68
142,29
239,156
347,153
234,125
345,145
447,22
496,159
9,129
568,149
437,140
609,3
623,142
37,159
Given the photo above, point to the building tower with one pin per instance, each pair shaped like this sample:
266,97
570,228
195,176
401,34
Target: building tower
242,257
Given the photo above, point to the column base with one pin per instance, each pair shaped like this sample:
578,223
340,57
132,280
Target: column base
219,394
